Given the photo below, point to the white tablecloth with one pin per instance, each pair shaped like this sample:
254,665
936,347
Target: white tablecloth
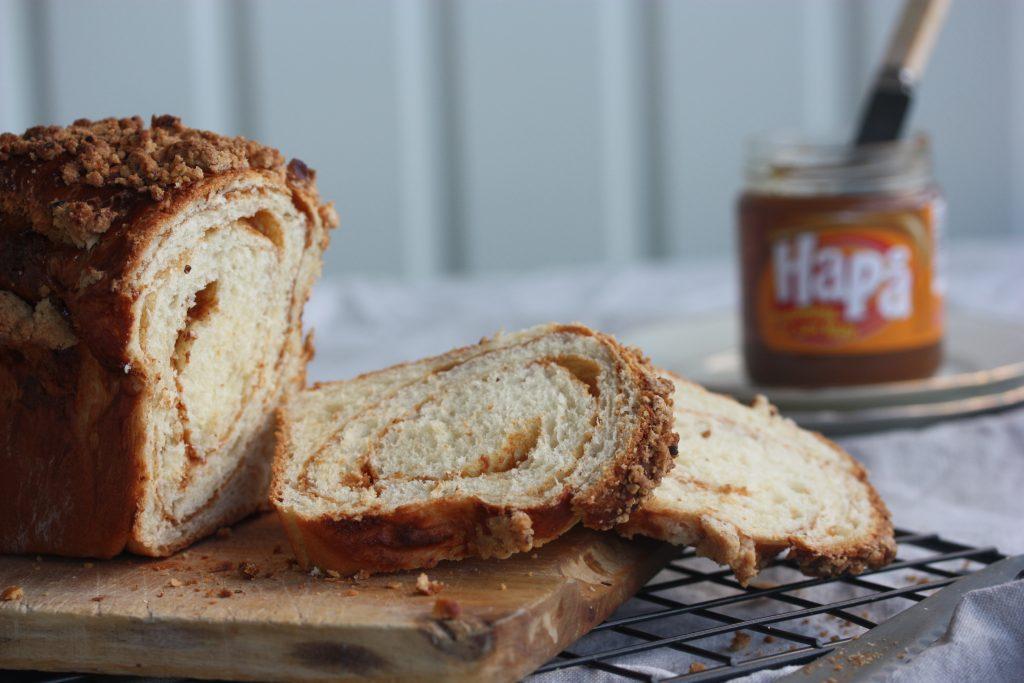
963,479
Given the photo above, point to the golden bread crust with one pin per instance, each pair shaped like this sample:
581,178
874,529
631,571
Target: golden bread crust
421,536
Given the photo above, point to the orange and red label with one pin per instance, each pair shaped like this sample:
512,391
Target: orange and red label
862,283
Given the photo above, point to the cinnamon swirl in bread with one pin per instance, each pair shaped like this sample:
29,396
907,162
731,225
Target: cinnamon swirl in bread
151,290
483,451
749,484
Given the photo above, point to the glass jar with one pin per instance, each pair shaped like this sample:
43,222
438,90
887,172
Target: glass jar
838,246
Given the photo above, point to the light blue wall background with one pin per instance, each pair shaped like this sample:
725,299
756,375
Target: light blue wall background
480,135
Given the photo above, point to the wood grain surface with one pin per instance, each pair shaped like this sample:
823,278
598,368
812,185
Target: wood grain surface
235,607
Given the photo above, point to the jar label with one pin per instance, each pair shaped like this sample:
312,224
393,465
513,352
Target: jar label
860,283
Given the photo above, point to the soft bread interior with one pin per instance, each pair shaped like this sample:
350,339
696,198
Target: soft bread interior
513,423
749,483
218,336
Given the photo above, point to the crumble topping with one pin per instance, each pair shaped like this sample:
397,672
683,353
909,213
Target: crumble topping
128,160
24,325
123,152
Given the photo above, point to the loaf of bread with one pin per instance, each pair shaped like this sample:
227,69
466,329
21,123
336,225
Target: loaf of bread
749,484
483,451
151,290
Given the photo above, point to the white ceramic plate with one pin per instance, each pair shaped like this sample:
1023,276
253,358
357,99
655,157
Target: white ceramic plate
842,422
984,358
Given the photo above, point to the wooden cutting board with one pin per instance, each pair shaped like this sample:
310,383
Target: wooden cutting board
199,614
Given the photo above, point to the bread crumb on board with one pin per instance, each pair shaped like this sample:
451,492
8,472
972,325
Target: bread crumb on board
248,570
175,583
12,593
697,667
446,608
351,593
427,587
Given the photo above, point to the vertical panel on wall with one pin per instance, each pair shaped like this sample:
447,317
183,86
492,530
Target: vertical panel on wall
729,69
629,129
833,61
17,97
326,76
424,109
530,143
214,64
965,104
1016,88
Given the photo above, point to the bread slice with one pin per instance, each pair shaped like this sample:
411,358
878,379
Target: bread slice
749,483
483,451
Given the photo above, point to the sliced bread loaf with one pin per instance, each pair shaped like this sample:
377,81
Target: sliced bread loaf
483,451
749,483
152,281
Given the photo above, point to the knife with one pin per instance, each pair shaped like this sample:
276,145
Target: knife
909,49
877,652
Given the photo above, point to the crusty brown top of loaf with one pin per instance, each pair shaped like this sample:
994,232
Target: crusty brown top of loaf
75,182
78,204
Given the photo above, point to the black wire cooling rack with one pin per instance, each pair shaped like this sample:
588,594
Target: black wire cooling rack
694,622
697,623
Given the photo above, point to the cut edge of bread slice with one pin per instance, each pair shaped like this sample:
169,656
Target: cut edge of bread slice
229,264
716,501
387,525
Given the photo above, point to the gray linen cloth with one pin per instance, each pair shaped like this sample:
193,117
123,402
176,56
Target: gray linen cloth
984,642
963,479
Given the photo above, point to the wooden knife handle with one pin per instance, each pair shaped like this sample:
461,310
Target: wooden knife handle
912,43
